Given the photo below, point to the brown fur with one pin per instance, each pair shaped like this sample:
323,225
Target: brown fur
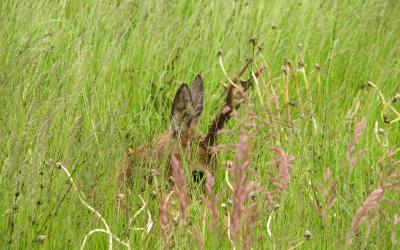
164,146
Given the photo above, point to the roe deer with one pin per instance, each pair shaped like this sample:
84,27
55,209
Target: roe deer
182,136
186,109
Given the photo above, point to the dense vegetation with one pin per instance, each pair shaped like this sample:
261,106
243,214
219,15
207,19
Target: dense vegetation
82,81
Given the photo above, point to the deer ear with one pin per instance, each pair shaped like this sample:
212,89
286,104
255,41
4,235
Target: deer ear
197,91
182,110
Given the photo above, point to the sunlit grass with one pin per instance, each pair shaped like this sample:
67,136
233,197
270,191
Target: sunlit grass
81,81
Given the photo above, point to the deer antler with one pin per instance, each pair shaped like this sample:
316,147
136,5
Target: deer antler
233,99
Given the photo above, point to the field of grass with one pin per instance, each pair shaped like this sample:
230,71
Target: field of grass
82,81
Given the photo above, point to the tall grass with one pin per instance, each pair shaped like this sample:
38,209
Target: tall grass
81,81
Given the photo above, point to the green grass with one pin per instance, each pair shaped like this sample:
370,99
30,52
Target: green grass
81,81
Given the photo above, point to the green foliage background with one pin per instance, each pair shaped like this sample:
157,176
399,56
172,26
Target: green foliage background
81,81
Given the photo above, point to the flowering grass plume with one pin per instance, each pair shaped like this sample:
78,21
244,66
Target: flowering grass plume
352,156
391,164
370,205
212,198
164,215
283,162
180,186
327,190
244,212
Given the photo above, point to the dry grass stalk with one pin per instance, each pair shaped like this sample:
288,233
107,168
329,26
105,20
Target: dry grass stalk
385,103
61,166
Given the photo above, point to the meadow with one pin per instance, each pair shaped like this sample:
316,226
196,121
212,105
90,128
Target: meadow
83,81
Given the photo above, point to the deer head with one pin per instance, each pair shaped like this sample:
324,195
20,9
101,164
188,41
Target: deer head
186,109
179,138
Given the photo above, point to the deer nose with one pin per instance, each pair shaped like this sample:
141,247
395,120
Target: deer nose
198,176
